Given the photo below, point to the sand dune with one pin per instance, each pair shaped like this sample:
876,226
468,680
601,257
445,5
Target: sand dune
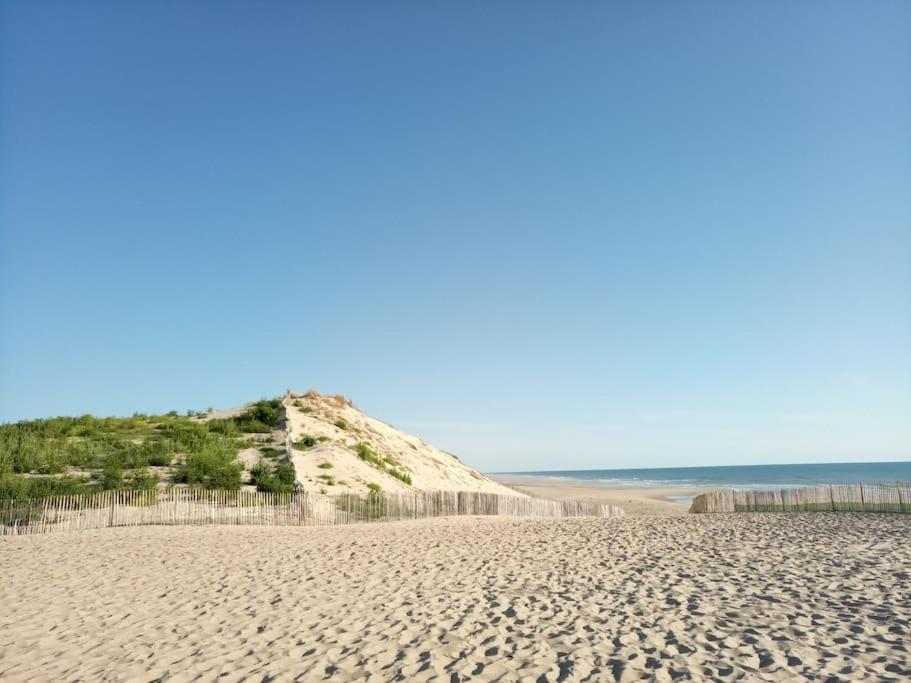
756,597
336,429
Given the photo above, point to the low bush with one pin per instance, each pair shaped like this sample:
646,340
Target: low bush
279,480
262,416
156,452
111,475
227,427
17,487
284,472
212,468
142,480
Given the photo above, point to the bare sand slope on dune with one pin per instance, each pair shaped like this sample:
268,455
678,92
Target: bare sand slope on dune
750,597
336,448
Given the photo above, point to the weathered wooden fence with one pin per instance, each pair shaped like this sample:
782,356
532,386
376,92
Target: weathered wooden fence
823,498
193,506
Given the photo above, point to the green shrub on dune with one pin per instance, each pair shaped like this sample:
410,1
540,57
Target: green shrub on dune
17,487
262,416
213,467
117,451
277,480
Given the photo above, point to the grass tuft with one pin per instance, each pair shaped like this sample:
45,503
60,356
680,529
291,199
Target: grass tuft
301,406
401,475
367,454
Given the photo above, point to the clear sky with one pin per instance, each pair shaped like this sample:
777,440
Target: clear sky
539,235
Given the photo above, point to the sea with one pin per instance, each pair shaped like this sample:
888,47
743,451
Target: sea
740,476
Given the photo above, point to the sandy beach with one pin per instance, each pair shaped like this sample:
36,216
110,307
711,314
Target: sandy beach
755,597
653,500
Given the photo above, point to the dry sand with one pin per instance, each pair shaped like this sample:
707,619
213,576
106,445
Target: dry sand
751,596
634,501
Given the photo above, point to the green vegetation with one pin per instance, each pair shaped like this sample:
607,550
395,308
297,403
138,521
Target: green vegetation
51,446
213,468
270,452
327,479
114,453
374,488
325,465
262,416
364,452
112,476
142,480
401,475
302,407
279,479
387,464
342,424
19,487
306,441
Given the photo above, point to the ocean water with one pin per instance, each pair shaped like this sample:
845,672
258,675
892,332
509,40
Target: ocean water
741,476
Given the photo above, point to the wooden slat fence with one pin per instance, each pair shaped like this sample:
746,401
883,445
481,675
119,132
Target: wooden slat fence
887,497
194,506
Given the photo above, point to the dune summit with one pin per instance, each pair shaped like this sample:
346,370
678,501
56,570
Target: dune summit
334,447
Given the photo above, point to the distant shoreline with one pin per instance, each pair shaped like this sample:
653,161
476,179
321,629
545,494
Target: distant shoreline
723,476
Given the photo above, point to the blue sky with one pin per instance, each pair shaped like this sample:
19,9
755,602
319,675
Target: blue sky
539,235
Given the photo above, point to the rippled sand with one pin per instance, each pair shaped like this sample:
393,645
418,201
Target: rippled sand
746,596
